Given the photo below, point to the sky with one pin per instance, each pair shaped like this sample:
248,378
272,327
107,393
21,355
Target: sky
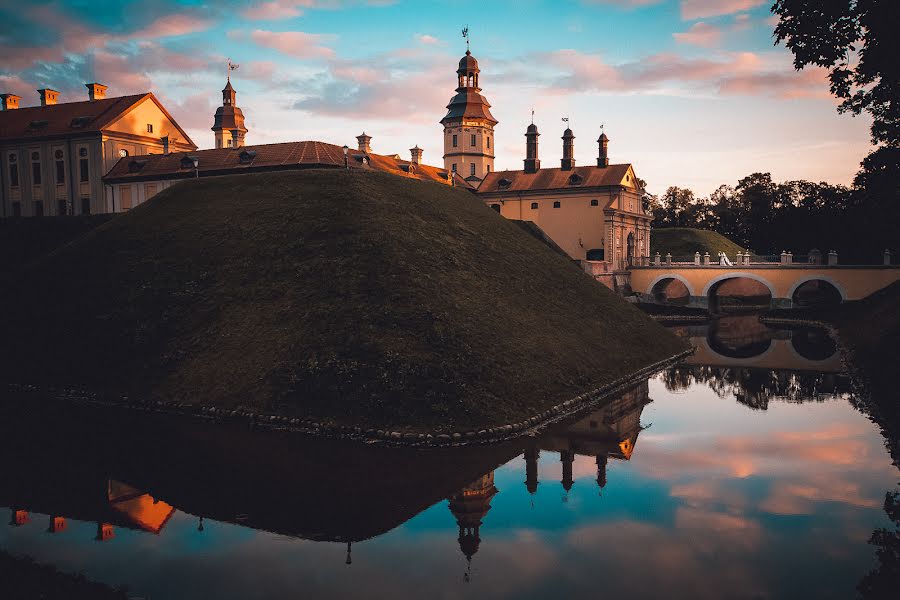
693,93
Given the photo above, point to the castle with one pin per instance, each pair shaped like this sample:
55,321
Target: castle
111,154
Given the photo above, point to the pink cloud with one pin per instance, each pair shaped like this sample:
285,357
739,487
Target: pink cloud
276,10
424,38
697,9
625,3
171,25
293,43
700,34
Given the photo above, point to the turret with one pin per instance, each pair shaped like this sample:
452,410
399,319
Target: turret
532,162
568,160
603,156
567,457
531,469
364,143
228,124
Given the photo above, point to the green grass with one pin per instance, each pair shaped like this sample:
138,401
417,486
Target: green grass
356,297
685,241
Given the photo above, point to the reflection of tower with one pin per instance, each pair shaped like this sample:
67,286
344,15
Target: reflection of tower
18,517
532,454
601,470
469,506
57,524
349,559
567,457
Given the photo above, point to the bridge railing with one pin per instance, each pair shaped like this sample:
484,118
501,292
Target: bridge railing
742,259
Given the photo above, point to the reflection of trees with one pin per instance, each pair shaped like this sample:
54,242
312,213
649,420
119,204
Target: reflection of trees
757,387
881,582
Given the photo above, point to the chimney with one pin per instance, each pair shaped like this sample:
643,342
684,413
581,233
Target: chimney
48,96
603,157
364,142
96,91
416,154
9,102
532,162
568,160
165,143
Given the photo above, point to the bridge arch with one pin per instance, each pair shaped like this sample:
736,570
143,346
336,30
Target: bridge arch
806,279
738,275
656,281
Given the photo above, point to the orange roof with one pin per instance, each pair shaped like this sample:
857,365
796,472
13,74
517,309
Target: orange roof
555,179
69,118
264,157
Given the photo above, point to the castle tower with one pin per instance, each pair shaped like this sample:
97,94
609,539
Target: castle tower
469,126
532,161
567,163
229,121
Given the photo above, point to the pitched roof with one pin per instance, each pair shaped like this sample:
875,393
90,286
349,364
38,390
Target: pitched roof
68,118
64,118
264,157
555,179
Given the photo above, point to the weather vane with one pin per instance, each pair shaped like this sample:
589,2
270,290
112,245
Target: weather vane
465,34
231,67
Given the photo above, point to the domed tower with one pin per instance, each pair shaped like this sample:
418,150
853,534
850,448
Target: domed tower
469,506
229,121
469,126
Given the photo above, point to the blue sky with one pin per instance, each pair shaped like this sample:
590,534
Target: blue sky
692,92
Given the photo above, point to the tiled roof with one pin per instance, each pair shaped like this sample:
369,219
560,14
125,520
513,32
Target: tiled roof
264,157
555,179
63,119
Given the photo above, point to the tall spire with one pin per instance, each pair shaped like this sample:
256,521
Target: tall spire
228,123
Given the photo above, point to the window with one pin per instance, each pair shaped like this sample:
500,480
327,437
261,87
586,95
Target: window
472,169
38,208
489,141
60,167
453,167
62,207
123,153
556,204
36,168
149,127
594,202
13,171
488,167
230,143
17,209
496,207
85,206
534,205
125,197
454,141
84,167
473,140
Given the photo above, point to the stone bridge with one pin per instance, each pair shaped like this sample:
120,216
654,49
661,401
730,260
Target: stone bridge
648,277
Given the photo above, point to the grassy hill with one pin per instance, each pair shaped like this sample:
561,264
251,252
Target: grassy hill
684,241
356,297
25,240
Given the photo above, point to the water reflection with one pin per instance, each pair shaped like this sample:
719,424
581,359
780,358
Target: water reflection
717,500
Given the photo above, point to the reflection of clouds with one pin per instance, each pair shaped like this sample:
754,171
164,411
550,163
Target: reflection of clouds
801,498
701,558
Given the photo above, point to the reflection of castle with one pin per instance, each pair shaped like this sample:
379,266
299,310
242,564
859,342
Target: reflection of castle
610,431
470,505
120,506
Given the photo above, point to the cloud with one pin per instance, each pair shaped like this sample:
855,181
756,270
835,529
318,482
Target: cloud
424,38
171,25
700,34
698,9
298,44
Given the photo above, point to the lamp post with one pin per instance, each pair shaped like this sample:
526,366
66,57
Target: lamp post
196,168
346,161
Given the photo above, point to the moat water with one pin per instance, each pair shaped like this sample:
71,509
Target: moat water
745,473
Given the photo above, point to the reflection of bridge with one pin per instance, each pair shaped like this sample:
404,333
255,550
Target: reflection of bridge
782,279
745,342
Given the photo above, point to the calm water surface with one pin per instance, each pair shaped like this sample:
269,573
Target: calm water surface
746,473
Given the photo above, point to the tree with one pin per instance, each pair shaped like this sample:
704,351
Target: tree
857,41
